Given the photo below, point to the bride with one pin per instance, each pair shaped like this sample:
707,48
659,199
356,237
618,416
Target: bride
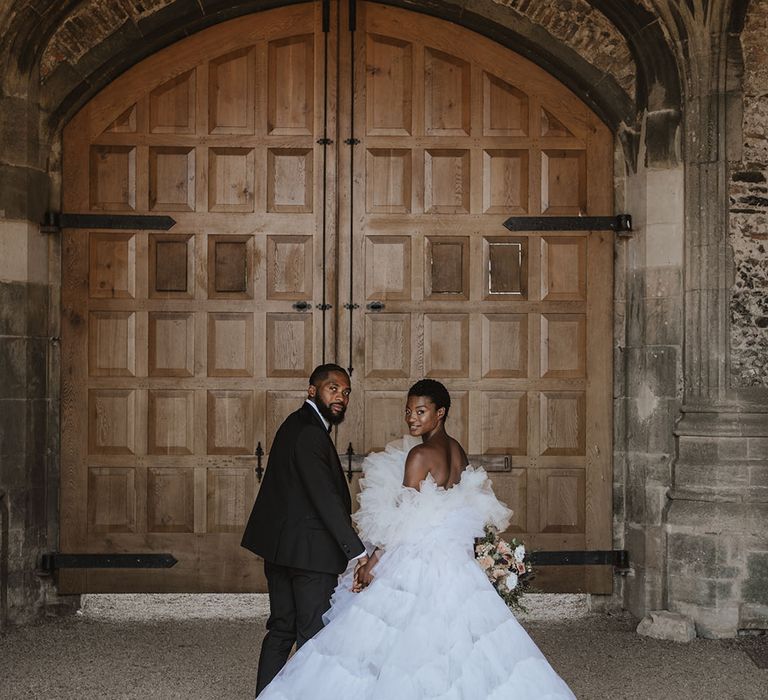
420,619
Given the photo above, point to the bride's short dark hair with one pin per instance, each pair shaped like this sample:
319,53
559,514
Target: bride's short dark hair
435,391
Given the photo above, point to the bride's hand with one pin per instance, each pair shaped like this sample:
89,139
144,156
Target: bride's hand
364,574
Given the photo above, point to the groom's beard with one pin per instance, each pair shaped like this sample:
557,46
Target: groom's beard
327,413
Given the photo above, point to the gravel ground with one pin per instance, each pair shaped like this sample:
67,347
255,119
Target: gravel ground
206,646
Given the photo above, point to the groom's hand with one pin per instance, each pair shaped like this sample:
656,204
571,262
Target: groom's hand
362,563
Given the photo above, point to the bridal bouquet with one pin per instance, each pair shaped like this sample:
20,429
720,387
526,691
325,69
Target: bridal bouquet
505,565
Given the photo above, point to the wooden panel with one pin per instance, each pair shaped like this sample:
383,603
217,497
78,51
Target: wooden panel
504,423
446,94
112,265
387,345
170,499
505,181
279,405
171,344
505,108
230,344
291,83
446,181
512,488
563,345
387,267
505,268
289,180
112,344
229,502
231,179
171,422
458,426
231,90
172,178
125,122
446,274
388,180
289,345
111,421
172,106
563,268
505,345
230,422
562,422
171,266
561,507
384,418
446,345
289,267
552,126
389,86
113,178
563,182
111,499
230,267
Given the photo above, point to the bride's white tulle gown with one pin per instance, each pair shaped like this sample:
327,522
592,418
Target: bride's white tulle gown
430,625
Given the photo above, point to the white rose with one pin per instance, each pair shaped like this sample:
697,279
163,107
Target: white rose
511,582
519,553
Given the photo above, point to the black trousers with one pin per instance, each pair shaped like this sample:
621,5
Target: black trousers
297,601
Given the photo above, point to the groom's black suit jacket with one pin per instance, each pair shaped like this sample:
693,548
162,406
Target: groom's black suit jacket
301,517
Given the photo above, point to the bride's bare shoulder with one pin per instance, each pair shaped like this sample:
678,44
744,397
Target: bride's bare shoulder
417,465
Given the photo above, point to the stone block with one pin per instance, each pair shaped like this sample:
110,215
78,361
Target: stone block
13,436
23,192
664,321
13,368
755,586
19,141
663,282
731,449
694,554
664,244
692,590
653,371
753,617
37,427
707,516
729,478
650,422
663,624
37,367
757,448
37,310
13,312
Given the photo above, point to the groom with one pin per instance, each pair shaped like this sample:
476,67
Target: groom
300,524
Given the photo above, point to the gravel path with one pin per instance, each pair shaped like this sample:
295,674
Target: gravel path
205,646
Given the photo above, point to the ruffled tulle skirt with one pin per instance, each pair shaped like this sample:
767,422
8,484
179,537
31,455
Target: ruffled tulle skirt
429,626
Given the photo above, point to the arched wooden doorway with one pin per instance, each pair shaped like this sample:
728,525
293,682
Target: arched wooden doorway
338,195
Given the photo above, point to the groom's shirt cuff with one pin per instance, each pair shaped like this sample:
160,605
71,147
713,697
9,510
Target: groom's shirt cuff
359,556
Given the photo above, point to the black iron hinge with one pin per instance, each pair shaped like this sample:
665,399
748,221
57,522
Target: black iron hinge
618,558
621,223
55,560
54,222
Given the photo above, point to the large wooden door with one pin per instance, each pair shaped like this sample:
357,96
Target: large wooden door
456,134
184,350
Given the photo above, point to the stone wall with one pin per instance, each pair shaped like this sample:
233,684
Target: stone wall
749,213
28,400
648,376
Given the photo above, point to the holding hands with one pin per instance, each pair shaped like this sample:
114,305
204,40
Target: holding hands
363,571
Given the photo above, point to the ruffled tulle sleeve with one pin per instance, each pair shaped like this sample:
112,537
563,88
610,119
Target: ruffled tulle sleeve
381,517
391,513
477,491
